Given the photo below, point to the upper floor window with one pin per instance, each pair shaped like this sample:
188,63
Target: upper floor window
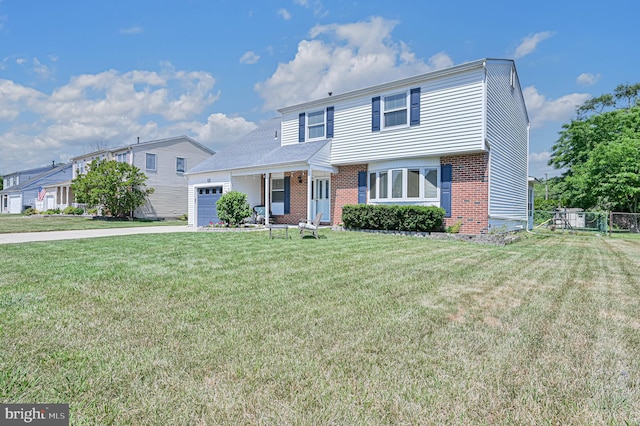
150,161
395,110
122,157
181,164
316,124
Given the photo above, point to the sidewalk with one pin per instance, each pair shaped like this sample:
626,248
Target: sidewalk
27,237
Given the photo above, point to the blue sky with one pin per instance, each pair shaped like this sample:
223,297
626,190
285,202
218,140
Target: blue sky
77,73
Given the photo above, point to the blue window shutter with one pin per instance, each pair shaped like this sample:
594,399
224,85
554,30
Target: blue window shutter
362,187
287,195
415,106
329,122
301,127
375,114
445,188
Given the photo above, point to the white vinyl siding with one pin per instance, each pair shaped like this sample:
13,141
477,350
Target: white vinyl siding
451,122
170,196
508,138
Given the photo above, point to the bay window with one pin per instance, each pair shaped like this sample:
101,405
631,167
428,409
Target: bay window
404,184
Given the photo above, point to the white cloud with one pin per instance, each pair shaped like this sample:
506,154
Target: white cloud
317,6
131,30
538,165
586,79
40,127
220,129
530,42
41,69
542,110
284,13
339,58
20,61
249,58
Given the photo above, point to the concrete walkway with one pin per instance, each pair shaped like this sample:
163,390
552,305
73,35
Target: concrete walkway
27,237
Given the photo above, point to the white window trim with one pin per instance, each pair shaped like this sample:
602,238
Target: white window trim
383,111
323,124
184,165
405,174
155,162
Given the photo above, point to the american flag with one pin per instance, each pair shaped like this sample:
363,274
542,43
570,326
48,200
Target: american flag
41,193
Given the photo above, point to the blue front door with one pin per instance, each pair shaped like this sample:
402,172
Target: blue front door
207,199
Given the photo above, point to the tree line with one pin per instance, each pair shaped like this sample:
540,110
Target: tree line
599,153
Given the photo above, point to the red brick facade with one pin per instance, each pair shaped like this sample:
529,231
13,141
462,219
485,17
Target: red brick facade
469,192
344,189
298,199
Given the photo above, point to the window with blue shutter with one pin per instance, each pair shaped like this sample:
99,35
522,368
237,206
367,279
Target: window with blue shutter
445,188
362,187
375,114
301,127
415,107
329,122
287,194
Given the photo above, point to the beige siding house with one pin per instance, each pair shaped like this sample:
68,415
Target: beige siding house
164,162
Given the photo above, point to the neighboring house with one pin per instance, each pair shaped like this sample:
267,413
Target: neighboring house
29,191
455,138
164,162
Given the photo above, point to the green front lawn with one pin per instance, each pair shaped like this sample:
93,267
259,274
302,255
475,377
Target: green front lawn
354,328
19,223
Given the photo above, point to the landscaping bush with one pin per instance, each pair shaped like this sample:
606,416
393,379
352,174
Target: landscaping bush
30,211
78,211
69,210
393,217
233,208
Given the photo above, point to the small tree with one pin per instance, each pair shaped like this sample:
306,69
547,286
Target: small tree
119,187
233,208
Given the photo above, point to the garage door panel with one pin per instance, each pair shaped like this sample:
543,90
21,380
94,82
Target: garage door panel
207,210
15,204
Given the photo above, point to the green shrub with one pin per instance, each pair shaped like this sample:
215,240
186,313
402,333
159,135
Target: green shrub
69,210
393,217
78,211
183,217
455,228
233,208
30,211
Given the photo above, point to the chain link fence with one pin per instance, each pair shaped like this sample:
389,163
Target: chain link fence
578,220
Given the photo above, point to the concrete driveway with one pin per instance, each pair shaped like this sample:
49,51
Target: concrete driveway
27,237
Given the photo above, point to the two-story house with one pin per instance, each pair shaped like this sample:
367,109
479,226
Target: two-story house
455,138
24,189
164,162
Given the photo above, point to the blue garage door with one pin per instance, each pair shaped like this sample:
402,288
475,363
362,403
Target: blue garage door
207,211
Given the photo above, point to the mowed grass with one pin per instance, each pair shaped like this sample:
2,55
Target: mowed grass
354,328
19,223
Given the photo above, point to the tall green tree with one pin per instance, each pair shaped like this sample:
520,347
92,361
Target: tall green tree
117,187
610,178
589,149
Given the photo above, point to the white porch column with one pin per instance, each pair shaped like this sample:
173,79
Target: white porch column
309,195
267,198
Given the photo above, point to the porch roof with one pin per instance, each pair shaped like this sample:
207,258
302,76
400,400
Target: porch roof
260,148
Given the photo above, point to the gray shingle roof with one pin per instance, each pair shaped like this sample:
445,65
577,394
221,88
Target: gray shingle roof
259,148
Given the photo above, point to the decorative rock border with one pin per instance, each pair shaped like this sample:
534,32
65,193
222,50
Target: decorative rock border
494,239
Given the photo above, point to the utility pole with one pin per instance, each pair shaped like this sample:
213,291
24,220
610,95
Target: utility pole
546,187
